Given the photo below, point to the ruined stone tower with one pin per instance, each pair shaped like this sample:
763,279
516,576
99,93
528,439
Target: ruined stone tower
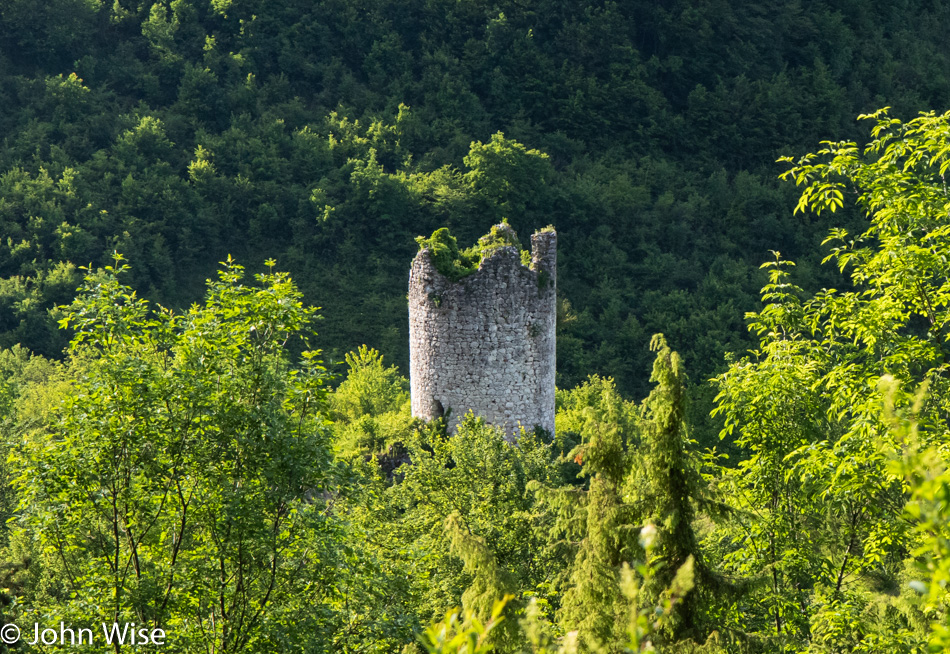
486,342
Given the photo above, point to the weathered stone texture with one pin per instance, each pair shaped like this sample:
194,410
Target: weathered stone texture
486,344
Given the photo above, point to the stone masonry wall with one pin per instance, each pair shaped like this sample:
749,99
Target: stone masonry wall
486,343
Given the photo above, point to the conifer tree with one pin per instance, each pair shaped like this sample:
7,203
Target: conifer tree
490,582
668,484
593,604
669,487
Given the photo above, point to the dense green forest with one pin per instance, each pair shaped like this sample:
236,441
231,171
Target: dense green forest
328,135
182,183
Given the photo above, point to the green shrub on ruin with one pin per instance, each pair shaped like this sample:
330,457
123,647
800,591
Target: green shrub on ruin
456,264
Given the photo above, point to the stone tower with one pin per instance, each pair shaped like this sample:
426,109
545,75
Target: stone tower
486,343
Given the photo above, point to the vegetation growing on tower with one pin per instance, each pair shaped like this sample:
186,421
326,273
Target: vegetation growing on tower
457,264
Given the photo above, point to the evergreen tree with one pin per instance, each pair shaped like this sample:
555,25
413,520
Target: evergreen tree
592,603
671,486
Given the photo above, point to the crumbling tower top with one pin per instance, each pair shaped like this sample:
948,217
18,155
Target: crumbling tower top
482,339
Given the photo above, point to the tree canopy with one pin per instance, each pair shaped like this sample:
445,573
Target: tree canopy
174,452
329,137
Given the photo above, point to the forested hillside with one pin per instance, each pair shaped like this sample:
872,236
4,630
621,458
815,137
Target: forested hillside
183,183
328,134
